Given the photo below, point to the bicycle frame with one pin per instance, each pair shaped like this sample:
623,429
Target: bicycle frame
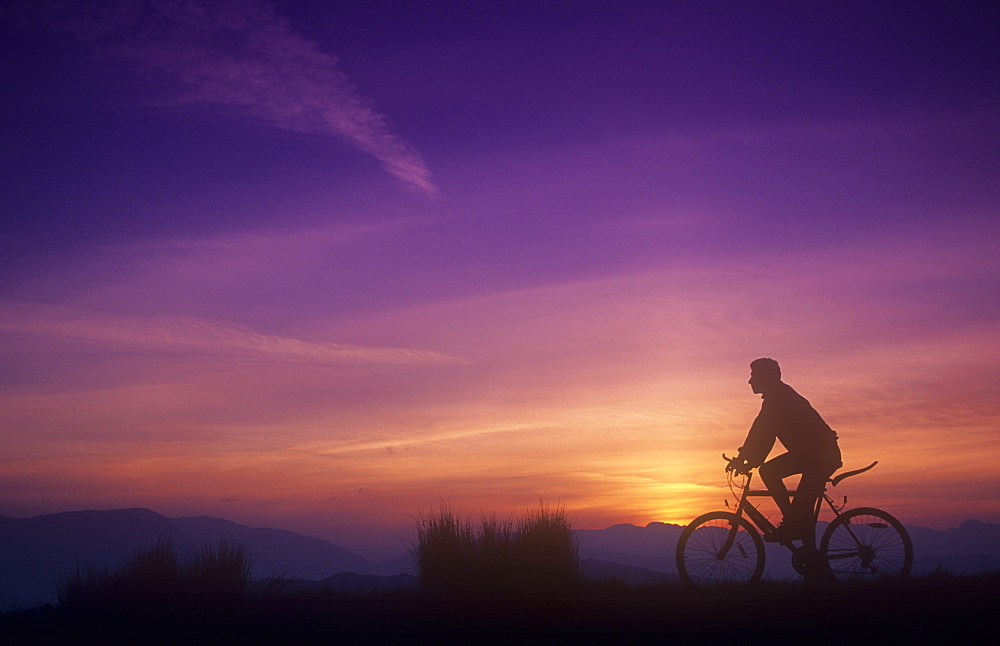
727,546
764,525
748,509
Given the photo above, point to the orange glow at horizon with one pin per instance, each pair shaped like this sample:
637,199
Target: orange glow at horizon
612,398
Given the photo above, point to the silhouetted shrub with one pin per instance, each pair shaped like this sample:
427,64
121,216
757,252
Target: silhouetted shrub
150,576
155,577
534,552
546,545
446,550
82,586
218,573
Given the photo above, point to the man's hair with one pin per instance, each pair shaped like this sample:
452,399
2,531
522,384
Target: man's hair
766,367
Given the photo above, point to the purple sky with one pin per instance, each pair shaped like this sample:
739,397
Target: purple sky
322,265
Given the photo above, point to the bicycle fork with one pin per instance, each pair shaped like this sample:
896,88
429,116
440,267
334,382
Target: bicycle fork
730,541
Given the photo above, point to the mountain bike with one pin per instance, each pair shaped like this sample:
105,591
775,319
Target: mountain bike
726,546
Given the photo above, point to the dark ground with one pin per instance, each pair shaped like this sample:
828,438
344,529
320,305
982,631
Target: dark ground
928,608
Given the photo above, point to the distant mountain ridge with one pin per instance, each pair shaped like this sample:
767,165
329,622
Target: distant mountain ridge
35,552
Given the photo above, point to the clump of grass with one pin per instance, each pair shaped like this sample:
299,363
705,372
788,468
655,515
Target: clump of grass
150,576
534,552
218,573
82,586
156,577
446,549
546,545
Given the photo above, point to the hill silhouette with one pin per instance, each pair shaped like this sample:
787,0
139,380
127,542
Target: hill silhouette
34,552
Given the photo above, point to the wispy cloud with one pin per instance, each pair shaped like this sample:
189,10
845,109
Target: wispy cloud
281,241
257,252
200,334
240,55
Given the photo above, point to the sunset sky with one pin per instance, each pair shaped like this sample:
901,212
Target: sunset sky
325,266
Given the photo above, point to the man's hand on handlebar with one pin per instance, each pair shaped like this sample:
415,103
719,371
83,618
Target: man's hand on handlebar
737,464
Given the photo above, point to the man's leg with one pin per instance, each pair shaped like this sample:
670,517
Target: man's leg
815,474
802,515
772,473
806,494
810,488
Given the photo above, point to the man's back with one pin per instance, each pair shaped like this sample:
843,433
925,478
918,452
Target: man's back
788,417
796,423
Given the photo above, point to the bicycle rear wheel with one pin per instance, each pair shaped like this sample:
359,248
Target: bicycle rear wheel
720,547
867,543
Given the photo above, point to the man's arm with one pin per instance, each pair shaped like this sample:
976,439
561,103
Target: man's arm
759,442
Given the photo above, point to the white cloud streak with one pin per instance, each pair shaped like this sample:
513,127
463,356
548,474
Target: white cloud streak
200,334
242,56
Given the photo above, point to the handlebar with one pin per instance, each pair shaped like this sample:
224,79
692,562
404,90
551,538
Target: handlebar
733,466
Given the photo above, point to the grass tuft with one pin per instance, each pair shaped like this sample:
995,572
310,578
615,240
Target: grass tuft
534,552
154,577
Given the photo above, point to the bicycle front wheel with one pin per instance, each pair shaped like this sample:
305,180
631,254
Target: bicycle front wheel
720,547
867,543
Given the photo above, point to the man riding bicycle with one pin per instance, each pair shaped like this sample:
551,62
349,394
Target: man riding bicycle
811,446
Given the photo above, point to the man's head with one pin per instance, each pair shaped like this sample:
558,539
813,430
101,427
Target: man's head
764,375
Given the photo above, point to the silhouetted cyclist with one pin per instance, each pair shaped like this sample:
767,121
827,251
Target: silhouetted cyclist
811,446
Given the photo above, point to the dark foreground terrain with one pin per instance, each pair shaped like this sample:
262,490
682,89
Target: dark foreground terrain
931,607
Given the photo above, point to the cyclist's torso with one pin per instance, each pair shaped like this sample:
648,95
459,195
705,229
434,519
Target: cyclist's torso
788,417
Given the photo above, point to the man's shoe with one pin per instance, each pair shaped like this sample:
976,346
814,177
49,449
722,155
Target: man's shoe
784,533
